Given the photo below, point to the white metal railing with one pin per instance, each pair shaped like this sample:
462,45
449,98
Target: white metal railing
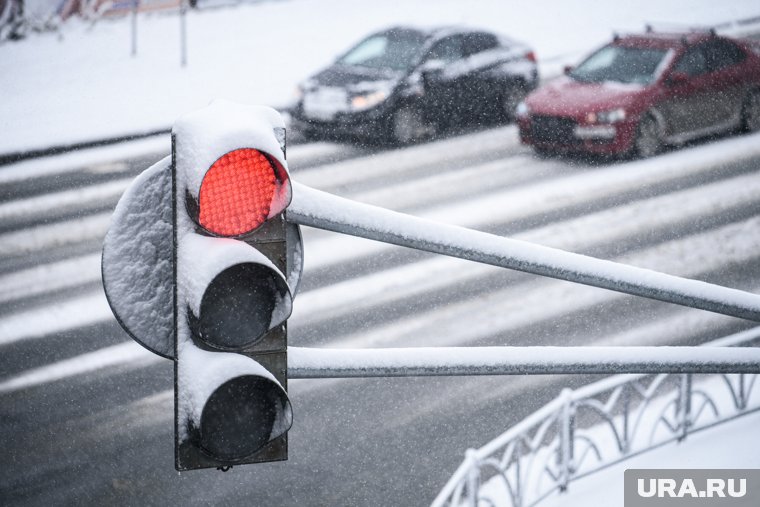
589,429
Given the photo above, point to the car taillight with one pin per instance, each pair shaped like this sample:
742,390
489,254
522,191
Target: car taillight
530,55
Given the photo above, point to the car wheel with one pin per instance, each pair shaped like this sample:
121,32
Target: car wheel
751,112
648,141
408,126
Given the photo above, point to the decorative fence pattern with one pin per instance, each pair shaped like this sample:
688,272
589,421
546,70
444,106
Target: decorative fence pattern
597,426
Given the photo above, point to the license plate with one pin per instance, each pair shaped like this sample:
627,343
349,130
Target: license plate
325,103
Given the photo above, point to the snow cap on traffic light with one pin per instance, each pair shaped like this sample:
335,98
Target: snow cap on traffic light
232,292
233,166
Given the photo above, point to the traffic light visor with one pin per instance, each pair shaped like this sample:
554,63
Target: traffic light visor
240,305
239,192
243,415
233,293
229,406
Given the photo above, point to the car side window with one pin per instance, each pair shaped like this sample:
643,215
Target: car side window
693,62
448,49
478,42
721,54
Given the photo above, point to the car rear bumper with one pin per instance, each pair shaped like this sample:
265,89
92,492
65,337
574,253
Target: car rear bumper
570,135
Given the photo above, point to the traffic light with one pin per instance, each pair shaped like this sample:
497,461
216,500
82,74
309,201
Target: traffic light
237,266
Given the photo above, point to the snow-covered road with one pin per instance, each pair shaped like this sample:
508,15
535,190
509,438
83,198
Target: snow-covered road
691,212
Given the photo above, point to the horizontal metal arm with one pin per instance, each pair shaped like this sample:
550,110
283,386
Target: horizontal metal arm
460,361
326,211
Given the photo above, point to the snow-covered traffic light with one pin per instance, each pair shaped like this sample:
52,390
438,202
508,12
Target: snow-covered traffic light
237,265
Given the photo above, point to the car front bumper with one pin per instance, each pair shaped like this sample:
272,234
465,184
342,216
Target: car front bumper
568,134
365,124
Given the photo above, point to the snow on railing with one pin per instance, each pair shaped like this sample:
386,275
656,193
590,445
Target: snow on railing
594,427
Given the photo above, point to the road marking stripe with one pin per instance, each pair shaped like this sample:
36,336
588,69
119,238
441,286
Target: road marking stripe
513,204
46,278
80,159
581,233
46,237
47,204
406,161
117,355
497,312
509,309
85,310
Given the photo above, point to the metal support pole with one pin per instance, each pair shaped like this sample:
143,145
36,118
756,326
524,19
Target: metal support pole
565,452
742,392
473,478
183,33
460,361
325,211
684,405
135,4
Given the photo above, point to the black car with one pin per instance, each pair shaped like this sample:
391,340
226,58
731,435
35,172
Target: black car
406,84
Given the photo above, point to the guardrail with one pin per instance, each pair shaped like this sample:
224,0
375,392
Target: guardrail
595,427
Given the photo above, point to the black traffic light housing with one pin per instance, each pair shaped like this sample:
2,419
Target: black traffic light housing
234,286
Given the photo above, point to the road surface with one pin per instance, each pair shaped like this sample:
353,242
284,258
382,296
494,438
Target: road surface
86,414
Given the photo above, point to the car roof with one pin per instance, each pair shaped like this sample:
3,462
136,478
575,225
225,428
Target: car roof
433,32
662,40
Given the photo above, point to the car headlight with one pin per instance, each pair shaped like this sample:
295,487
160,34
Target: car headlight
522,110
611,116
368,100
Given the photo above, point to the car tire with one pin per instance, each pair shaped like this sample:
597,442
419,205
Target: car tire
751,112
648,141
407,126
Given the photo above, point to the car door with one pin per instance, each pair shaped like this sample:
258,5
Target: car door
727,80
479,91
442,88
685,106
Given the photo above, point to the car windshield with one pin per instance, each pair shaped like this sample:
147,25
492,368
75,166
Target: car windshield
621,64
395,49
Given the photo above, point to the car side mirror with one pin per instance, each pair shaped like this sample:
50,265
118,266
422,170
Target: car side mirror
567,69
678,79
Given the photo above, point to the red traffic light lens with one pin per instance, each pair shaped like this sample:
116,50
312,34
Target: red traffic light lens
237,193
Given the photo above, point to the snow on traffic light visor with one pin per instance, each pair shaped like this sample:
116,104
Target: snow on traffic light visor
240,191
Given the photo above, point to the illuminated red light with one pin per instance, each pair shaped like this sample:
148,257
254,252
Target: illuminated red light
237,193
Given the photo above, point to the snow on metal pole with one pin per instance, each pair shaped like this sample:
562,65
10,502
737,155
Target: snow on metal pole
459,361
325,211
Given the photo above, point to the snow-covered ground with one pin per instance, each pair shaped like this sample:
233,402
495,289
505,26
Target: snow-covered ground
729,445
83,84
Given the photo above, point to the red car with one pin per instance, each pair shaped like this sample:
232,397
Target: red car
641,92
